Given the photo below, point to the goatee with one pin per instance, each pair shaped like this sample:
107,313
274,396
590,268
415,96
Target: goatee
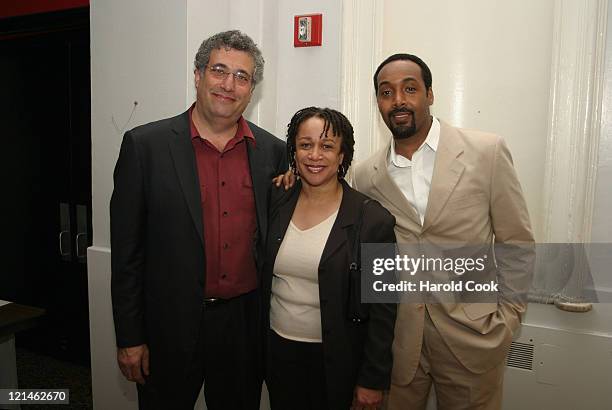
401,132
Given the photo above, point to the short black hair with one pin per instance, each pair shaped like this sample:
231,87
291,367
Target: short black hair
425,71
334,120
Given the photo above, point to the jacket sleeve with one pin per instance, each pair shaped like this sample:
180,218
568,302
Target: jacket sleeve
514,242
375,371
127,220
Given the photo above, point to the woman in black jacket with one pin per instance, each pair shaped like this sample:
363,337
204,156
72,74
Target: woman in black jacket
318,355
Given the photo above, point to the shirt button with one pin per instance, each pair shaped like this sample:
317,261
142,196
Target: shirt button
224,213
225,246
223,276
222,183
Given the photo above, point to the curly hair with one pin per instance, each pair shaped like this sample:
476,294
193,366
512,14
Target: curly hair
334,121
232,39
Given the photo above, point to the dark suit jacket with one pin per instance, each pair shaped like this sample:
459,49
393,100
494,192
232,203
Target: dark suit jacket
158,260
354,353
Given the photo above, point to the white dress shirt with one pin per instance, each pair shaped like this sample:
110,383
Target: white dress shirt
413,177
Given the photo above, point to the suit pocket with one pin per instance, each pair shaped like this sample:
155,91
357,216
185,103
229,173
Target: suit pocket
479,317
245,194
476,311
467,201
246,186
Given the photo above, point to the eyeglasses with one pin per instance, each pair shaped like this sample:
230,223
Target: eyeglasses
220,72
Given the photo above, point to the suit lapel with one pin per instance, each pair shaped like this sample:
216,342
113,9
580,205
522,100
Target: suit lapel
392,197
447,171
285,213
347,215
280,219
261,182
183,157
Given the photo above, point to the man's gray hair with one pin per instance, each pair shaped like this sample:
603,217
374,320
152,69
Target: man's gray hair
232,39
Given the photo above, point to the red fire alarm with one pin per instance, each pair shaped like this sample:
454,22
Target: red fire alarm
307,30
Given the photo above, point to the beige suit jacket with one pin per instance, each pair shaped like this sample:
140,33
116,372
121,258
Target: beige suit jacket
475,198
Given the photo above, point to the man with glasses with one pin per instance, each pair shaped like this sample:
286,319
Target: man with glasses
188,220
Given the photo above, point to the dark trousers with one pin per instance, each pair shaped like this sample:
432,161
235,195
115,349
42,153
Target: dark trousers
228,360
295,374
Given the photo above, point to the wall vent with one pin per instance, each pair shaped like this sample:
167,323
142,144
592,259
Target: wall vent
520,356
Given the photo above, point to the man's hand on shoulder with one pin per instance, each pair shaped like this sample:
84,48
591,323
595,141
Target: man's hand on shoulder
287,179
134,362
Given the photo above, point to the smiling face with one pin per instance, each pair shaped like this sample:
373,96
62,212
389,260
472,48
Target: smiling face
224,99
403,100
317,156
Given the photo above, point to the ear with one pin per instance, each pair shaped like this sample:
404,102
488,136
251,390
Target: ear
197,77
430,96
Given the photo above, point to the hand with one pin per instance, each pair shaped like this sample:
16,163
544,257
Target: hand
134,362
287,179
366,399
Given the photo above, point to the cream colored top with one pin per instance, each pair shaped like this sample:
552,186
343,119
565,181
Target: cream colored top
294,306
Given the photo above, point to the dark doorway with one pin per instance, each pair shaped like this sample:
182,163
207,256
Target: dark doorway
46,176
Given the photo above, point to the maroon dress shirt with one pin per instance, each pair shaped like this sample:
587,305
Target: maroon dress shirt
228,211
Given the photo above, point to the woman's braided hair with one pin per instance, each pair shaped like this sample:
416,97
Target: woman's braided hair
335,122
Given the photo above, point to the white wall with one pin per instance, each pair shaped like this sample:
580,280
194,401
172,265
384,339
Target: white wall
138,53
490,62
307,76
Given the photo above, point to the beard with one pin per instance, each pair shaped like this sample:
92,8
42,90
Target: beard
401,132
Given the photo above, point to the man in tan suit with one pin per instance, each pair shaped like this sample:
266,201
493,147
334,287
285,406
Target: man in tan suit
444,184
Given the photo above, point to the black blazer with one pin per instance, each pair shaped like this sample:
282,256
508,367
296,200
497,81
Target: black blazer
158,260
354,353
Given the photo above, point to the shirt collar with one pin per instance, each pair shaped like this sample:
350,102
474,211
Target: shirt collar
243,127
431,141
